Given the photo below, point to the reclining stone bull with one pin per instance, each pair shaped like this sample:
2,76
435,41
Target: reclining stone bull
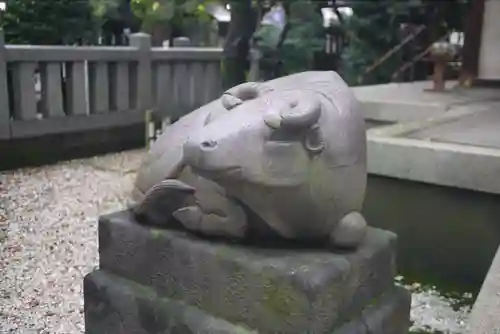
287,156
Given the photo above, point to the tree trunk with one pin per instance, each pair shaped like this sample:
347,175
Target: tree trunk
237,42
159,33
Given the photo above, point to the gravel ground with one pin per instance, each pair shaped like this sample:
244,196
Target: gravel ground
48,242
49,224
433,313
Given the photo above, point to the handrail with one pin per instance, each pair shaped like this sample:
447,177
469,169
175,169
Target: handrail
418,57
392,51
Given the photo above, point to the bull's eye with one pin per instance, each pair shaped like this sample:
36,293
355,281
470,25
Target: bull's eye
313,140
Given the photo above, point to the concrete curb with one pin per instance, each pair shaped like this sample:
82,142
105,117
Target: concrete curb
485,314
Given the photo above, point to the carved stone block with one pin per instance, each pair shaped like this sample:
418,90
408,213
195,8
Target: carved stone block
114,305
176,282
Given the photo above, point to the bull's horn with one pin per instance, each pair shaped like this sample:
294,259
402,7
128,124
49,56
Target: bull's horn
272,119
303,113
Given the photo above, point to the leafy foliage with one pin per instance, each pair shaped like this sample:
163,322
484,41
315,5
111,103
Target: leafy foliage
375,29
152,12
101,8
374,33
71,21
304,38
47,21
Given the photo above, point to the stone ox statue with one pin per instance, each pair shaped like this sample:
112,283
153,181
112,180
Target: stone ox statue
285,157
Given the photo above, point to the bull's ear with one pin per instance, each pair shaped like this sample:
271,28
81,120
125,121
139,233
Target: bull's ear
243,92
229,101
302,113
313,140
235,96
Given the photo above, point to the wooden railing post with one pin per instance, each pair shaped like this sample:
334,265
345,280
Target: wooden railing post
143,83
144,80
4,94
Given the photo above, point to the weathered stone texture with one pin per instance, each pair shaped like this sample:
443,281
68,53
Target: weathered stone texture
388,315
115,305
275,290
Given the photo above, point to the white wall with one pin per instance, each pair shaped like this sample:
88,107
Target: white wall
489,54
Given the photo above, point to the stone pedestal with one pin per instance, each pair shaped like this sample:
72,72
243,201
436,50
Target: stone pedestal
167,281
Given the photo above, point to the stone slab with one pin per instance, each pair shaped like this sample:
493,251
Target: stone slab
416,93
479,129
409,102
115,305
270,289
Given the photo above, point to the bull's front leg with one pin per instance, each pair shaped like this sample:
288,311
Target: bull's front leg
214,215
161,201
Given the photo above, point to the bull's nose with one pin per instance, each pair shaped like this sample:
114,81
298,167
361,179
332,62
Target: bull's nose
193,150
208,145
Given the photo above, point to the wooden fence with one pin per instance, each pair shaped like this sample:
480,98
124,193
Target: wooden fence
88,88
